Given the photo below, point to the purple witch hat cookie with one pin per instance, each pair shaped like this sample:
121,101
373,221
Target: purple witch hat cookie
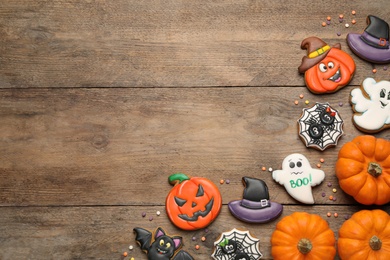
373,44
255,207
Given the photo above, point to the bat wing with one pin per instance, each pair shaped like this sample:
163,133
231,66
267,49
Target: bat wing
143,237
183,255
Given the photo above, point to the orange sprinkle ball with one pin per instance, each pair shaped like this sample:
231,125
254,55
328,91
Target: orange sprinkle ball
301,96
341,16
328,18
328,214
221,181
353,12
322,160
203,239
330,197
335,215
353,21
124,254
296,102
374,70
323,24
263,168
197,247
318,165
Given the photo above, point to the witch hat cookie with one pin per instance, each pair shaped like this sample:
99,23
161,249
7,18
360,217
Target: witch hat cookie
255,207
327,68
373,44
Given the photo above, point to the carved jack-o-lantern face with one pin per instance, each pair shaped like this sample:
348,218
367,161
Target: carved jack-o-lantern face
333,72
193,203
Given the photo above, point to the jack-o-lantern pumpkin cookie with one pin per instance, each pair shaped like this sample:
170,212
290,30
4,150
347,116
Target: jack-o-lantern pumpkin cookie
236,245
320,126
326,68
255,207
371,105
193,202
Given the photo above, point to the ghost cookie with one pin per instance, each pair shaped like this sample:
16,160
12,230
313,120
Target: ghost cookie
193,202
236,245
326,68
298,177
320,126
255,207
371,106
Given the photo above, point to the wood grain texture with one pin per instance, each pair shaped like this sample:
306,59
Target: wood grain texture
71,43
100,101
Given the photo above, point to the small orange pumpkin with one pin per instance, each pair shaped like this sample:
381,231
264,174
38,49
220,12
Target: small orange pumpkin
193,203
363,169
333,72
366,235
303,236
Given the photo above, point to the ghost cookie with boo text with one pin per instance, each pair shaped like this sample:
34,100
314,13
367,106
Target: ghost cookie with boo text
298,177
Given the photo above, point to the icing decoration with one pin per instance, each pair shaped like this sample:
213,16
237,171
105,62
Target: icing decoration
236,245
326,68
371,104
298,177
193,203
255,207
163,247
373,44
320,126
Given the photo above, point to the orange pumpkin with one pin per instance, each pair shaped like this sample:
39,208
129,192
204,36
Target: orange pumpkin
303,236
193,203
333,72
366,235
363,169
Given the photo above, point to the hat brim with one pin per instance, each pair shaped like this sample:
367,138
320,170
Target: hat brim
307,62
255,215
366,51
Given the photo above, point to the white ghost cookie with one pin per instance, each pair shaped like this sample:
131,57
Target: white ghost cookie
298,177
371,104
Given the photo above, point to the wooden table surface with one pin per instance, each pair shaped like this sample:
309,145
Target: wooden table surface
100,101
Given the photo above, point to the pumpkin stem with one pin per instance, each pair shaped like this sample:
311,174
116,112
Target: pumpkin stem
374,169
375,243
304,246
177,178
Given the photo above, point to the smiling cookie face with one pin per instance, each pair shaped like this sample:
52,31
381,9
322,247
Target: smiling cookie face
331,73
371,104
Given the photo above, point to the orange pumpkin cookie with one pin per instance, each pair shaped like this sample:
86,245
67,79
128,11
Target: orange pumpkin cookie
193,202
363,169
326,68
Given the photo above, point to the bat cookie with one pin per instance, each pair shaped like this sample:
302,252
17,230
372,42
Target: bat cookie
163,246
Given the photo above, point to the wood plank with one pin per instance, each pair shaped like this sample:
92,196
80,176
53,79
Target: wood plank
70,43
106,232
86,146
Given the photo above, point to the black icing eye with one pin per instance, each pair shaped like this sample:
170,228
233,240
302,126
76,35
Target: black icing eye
330,65
180,202
292,165
382,94
299,164
388,96
200,191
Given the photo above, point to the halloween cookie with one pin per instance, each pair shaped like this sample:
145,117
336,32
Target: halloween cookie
298,177
255,207
326,68
236,245
157,245
371,105
373,44
193,202
320,126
